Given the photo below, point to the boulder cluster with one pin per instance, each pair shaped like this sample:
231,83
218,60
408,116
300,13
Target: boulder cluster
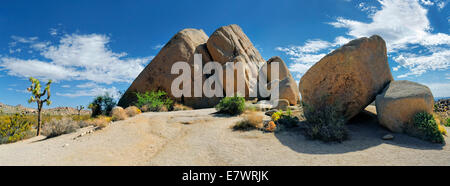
343,82
350,78
226,44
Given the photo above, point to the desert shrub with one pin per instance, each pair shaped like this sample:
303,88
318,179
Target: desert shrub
132,111
100,122
271,127
251,121
284,119
426,128
231,105
57,127
178,107
14,128
102,105
118,113
325,124
154,101
447,124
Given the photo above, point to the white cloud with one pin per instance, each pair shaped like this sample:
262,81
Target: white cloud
76,57
65,86
158,46
402,23
96,91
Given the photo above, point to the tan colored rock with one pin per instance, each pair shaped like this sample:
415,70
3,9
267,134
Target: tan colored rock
287,86
348,79
230,44
157,76
283,104
400,101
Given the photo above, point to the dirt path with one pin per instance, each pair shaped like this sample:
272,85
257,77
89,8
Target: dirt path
163,139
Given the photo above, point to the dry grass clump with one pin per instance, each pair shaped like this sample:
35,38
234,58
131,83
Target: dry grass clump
178,107
132,111
252,120
62,126
100,122
118,113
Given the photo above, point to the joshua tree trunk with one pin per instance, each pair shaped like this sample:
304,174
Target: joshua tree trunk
39,120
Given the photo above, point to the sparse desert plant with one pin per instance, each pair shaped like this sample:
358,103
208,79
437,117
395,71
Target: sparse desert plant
154,101
426,128
102,105
231,105
14,128
251,121
284,119
100,122
178,107
118,113
447,124
132,111
79,108
57,127
35,89
325,124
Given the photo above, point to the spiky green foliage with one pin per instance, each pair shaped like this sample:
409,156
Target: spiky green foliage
154,101
37,96
427,128
231,105
102,105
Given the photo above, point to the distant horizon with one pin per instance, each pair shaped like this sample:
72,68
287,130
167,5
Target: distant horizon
92,47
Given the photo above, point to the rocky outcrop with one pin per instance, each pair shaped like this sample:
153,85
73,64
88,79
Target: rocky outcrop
230,44
348,79
287,86
400,101
157,76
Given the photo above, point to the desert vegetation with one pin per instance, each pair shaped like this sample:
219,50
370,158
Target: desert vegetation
154,101
36,94
231,105
426,128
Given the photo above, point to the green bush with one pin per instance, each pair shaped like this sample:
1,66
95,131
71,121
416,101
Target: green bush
325,124
447,124
154,101
231,105
426,128
14,128
102,105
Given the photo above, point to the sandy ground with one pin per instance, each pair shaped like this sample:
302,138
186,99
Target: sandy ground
202,138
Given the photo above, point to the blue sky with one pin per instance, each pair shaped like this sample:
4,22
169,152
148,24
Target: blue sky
90,47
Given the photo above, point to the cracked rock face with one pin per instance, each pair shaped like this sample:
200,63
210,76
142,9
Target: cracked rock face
348,79
400,101
230,44
157,76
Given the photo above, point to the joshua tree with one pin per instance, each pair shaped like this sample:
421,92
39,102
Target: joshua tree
35,90
79,108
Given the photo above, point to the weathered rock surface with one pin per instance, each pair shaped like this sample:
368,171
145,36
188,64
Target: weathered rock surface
348,79
287,86
157,76
230,44
400,101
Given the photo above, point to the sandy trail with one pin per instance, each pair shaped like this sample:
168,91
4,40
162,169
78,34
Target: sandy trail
163,139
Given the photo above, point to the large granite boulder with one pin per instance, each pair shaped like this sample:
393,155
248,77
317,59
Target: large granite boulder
287,86
157,75
348,79
230,44
400,101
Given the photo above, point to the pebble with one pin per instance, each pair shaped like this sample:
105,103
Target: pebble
388,137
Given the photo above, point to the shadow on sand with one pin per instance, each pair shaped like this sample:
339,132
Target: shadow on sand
365,132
